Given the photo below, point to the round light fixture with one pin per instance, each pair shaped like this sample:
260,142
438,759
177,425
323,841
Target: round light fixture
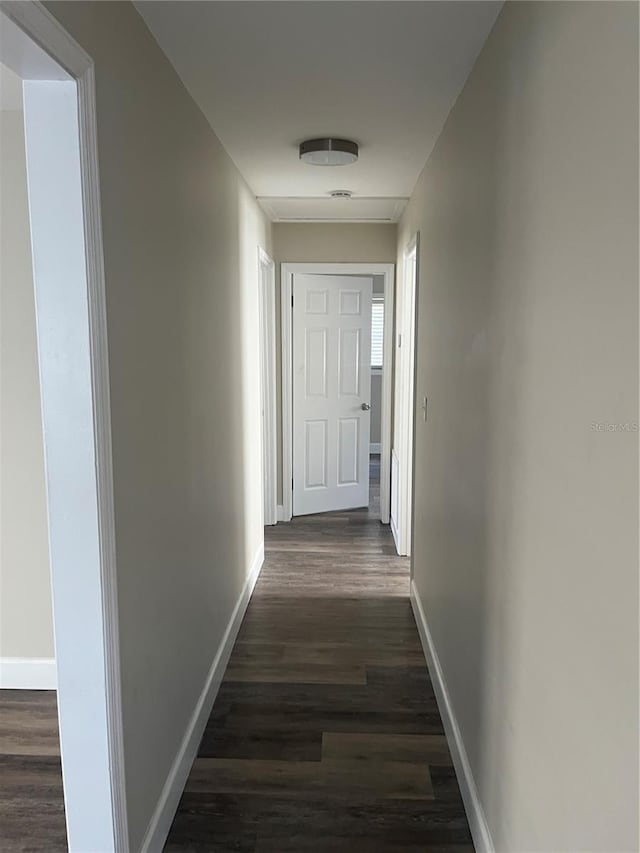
329,152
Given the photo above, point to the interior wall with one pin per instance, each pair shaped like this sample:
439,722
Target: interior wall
320,242
526,473
181,234
335,242
26,622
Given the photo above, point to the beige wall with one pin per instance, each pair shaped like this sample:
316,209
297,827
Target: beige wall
338,243
526,516
181,231
26,629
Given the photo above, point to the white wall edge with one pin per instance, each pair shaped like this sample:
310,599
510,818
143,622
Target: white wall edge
267,285
28,674
375,447
473,807
90,694
280,514
164,813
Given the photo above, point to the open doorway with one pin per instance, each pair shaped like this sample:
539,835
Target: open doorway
27,659
70,326
329,461
29,739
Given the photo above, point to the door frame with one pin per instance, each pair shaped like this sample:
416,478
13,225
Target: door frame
404,392
267,287
78,448
287,271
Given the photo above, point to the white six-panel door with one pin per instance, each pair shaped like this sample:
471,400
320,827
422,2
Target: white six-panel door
331,392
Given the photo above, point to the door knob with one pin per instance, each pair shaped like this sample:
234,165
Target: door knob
365,407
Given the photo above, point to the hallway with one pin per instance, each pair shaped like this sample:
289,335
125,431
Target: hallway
247,246
325,735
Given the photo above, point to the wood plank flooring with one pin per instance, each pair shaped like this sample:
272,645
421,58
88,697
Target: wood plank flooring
31,799
325,735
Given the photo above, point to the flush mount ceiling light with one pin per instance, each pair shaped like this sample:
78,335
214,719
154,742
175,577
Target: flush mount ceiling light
329,152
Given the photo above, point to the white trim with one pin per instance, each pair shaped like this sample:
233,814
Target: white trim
41,27
374,447
404,401
165,810
28,674
104,458
286,358
482,840
266,203
46,31
386,401
280,514
319,220
267,285
287,271
394,485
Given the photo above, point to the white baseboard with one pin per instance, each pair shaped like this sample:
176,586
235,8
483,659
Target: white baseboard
375,447
472,805
395,534
28,674
280,513
162,818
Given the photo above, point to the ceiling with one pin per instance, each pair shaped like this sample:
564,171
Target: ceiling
268,75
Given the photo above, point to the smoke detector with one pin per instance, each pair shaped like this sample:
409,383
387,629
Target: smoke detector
340,193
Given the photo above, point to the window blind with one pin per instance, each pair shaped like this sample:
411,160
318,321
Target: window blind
377,331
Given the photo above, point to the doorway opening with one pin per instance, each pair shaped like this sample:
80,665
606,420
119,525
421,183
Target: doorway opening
333,328
70,316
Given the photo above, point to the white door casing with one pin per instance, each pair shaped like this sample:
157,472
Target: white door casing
402,450
267,296
66,234
331,392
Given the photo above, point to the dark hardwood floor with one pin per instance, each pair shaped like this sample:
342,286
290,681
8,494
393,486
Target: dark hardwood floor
325,735
31,800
